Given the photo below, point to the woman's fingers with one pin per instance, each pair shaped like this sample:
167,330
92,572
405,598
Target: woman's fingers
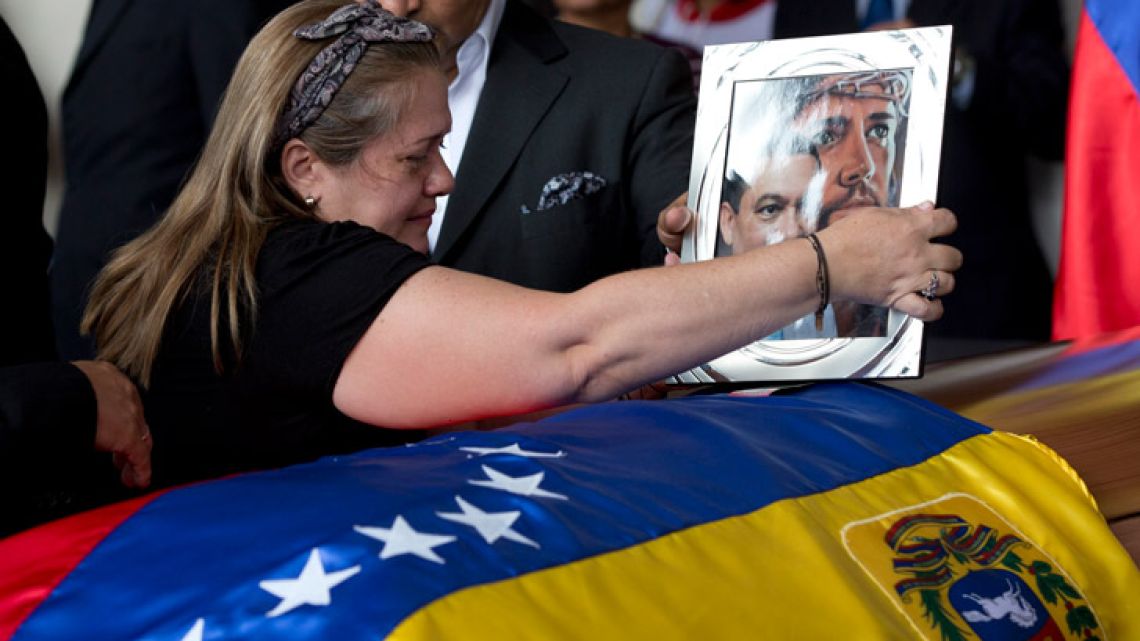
917,306
943,222
946,283
945,257
922,296
935,283
885,256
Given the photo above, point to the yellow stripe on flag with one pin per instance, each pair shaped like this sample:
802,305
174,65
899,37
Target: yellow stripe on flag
1093,421
1063,404
819,567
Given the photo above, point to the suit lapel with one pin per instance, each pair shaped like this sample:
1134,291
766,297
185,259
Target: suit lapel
518,93
104,15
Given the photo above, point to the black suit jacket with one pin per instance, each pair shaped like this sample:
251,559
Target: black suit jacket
25,247
136,111
561,99
1018,107
48,466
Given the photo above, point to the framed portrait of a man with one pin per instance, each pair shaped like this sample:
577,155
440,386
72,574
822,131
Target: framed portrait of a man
793,135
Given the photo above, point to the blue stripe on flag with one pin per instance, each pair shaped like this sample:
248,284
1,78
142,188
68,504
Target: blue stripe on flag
1118,22
1085,366
614,475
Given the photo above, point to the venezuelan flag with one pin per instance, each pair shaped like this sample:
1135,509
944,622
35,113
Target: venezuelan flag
835,511
1078,398
1100,261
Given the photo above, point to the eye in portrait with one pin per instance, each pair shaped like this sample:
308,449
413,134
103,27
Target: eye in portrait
804,152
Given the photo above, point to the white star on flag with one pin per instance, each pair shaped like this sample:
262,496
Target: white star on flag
514,449
311,588
491,525
195,633
402,539
523,485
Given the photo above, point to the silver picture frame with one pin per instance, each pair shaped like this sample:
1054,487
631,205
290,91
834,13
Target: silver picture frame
766,109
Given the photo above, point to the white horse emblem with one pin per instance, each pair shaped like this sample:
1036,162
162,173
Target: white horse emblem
1010,603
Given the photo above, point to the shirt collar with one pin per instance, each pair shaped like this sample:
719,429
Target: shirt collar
478,44
490,24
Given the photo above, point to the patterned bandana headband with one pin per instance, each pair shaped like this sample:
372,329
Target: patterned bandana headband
357,25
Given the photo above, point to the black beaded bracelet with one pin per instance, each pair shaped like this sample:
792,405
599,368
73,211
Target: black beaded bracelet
822,281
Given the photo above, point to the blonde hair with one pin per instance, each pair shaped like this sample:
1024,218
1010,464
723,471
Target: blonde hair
214,229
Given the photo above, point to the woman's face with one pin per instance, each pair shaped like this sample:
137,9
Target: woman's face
770,208
392,186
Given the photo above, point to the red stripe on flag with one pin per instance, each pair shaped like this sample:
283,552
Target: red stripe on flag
1097,282
1091,343
36,561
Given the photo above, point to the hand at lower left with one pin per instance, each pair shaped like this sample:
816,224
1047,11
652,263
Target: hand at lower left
120,425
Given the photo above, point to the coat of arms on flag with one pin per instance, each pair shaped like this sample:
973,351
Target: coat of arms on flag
958,570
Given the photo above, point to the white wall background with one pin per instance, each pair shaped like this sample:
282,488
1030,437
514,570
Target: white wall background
50,31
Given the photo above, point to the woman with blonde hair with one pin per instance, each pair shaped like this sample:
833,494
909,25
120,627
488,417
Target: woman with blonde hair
283,308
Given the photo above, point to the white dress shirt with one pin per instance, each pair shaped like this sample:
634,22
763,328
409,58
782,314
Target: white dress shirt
463,97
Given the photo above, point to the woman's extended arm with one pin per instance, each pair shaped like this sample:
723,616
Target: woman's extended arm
452,346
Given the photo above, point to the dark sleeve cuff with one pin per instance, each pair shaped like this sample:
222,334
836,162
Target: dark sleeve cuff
46,405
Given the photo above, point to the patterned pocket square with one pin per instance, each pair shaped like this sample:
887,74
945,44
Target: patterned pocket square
566,187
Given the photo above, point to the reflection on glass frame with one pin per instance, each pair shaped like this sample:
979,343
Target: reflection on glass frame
793,134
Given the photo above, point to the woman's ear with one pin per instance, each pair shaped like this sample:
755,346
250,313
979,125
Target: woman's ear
302,170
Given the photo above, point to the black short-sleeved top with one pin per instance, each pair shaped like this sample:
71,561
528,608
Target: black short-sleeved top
320,286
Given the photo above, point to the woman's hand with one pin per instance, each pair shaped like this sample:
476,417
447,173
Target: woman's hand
885,257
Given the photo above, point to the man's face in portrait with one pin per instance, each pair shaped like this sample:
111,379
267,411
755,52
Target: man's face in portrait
771,207
850,125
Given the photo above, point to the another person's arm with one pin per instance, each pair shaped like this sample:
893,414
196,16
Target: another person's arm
661,151
45,405
450,345
73,407
120,426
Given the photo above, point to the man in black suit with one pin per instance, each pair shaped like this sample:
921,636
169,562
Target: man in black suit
1008,100
136,111
573,141
25,247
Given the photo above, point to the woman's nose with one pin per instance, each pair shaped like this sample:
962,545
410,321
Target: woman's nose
441,181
